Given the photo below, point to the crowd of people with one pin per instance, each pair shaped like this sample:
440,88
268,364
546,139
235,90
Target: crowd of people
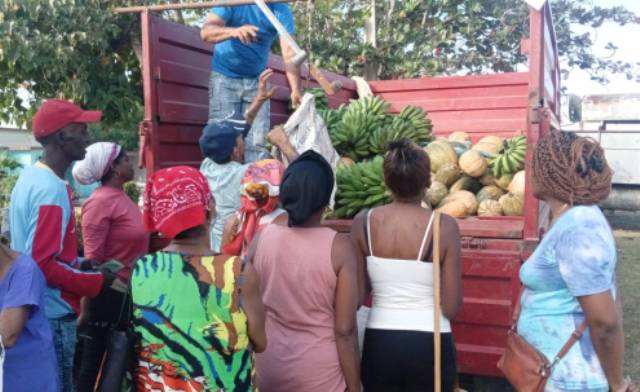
251,291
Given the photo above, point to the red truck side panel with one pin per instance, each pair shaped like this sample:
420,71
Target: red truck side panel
176,75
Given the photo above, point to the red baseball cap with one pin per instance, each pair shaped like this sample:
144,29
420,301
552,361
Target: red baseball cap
55,114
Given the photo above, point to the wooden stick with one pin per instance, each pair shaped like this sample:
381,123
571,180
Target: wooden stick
192,6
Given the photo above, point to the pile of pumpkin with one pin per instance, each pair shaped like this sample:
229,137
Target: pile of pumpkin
484,179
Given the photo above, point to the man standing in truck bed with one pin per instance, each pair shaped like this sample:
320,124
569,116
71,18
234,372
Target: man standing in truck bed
243,37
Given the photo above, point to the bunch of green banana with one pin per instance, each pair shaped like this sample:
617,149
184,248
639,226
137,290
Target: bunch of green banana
374,106
322,102
351,136
360,186
511,159
394,129
421,123
331,118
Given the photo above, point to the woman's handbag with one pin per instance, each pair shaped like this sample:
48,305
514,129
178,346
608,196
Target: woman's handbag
526,368
119,351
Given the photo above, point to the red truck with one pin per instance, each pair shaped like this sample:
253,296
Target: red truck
176,65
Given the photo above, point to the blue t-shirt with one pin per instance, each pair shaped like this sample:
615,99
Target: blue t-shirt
234,59
577,257
31,364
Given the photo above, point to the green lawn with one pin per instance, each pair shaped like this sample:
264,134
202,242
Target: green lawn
628,278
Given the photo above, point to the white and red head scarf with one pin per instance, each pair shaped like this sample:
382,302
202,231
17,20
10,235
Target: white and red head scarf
175,199
96,163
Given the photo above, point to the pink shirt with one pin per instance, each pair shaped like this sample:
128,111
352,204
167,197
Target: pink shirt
112,229
299,291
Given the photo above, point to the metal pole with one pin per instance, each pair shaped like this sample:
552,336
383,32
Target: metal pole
191,6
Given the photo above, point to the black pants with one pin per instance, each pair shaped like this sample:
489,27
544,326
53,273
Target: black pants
106,314
395,361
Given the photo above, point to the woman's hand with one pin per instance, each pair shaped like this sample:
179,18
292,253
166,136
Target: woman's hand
263,93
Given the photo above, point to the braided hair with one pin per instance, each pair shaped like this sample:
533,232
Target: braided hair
571,168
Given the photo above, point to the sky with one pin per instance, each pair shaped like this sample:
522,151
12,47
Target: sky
626,38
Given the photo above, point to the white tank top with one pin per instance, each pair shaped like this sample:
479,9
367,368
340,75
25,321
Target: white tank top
402,291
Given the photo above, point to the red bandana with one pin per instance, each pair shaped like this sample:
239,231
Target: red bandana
175,199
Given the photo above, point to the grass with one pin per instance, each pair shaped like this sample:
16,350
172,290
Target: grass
628,277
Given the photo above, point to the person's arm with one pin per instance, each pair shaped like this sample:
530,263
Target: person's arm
263,95
607,336
346,305
451,271
360,245
45,245
230,229
278,137
253,307
214,31
292,71
12,322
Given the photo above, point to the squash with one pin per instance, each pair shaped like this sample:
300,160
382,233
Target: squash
473,163
489,144
517,184
436,193
455,209
504,181
512,205
440,153
465,183
489,207
459,136
345,161
448,174
489,192
467,198
487,178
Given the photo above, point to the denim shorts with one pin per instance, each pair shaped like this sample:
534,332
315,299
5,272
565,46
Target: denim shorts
228,95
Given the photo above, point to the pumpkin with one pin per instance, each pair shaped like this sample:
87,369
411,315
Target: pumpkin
456,209
467,198
473,163
440,153
517,184
504,181
512,205
448,174
345,161
489,192
436,193
487,178
465,183
489,144
459,136
489,207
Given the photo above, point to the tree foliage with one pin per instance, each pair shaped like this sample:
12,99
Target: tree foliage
80,50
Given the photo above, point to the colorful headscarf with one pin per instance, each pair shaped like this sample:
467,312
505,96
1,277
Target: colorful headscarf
175,199
260,189
96,163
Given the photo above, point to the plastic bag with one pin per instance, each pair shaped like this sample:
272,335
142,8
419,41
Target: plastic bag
307,131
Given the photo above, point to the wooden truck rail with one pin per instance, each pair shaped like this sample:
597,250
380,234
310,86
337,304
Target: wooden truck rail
176,71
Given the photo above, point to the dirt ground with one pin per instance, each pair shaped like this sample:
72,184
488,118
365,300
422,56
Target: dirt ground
628,243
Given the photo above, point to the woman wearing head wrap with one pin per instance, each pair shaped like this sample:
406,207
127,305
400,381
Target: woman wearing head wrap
112,230
570,279
199,318
308,275
259,205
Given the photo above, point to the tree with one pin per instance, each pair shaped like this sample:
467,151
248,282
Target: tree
80,50
418,38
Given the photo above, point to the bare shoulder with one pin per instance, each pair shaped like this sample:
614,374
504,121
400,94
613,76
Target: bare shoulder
342,251
449,225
